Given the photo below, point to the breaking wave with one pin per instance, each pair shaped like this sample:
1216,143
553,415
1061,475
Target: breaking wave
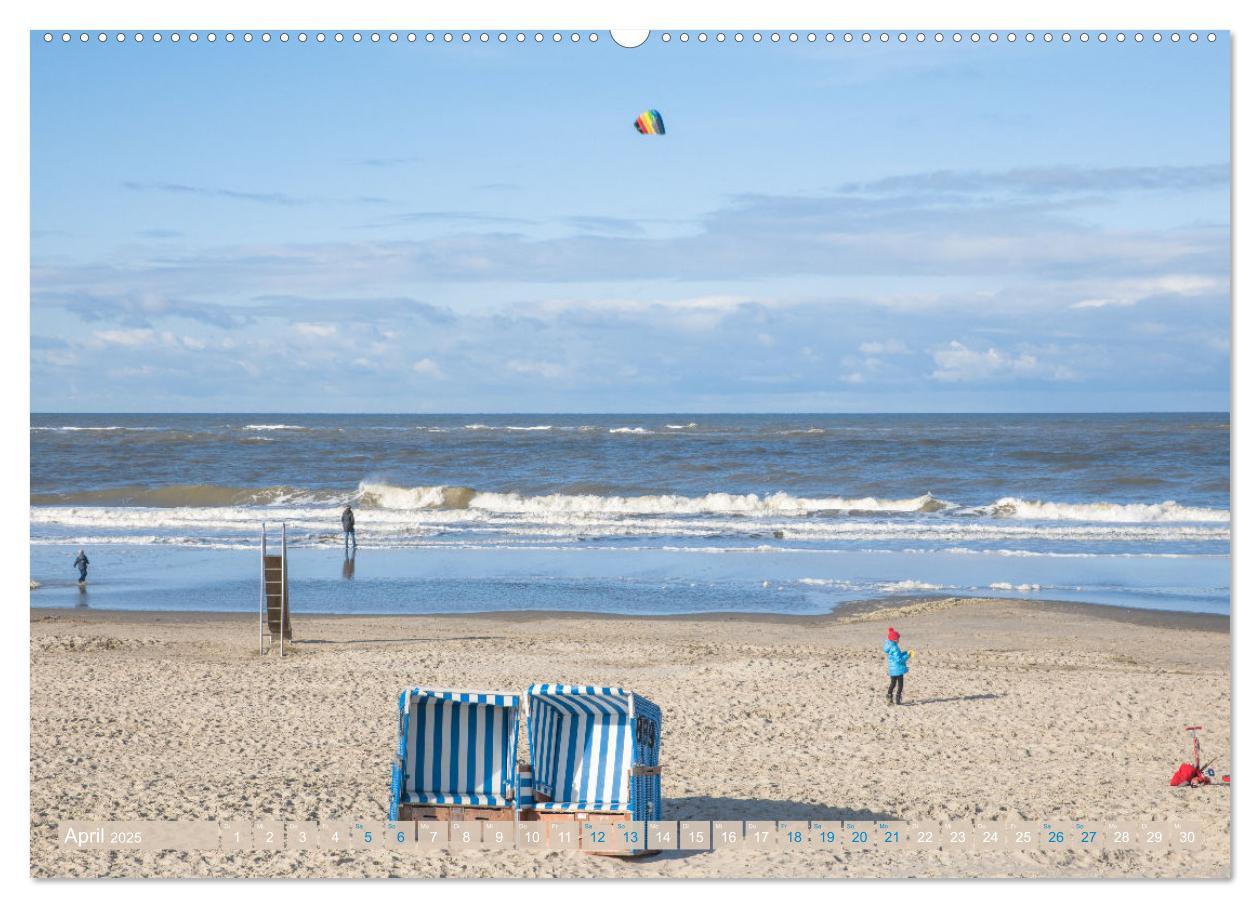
384,496
778,504
910,586
190,496
95,429
1103,512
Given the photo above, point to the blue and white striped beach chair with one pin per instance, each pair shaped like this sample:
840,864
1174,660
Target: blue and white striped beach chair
456,755
594,750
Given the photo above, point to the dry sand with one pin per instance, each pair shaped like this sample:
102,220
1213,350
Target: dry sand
1014,710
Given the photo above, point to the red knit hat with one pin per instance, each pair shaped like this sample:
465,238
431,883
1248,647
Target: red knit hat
893,635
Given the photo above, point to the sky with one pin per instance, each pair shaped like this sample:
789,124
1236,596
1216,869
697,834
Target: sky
479,228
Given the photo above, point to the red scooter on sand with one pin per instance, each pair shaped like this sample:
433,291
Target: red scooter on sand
1196,773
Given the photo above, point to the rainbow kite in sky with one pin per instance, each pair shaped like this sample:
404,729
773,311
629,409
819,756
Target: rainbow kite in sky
650,123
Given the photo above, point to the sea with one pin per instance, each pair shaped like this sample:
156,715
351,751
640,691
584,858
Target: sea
636,514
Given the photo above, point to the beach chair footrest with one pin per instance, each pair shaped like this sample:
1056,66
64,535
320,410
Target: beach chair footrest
446,812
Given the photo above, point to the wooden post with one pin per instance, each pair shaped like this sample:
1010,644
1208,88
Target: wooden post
262,592
284,583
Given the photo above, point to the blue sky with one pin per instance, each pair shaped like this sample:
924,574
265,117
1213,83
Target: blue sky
462,228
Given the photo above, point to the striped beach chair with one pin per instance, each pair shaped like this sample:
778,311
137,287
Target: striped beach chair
456,756
594,751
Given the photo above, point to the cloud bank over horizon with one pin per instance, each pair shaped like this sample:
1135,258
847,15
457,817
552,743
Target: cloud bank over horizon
796,271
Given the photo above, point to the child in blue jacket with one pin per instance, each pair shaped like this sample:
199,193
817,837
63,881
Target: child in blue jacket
898,665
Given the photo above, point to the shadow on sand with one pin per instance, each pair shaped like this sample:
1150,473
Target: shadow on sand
403,640
969,697
763,809
753,809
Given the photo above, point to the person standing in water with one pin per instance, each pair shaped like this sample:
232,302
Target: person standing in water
898,665
347,525
82,563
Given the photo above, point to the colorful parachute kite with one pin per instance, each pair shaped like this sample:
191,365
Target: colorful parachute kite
650,123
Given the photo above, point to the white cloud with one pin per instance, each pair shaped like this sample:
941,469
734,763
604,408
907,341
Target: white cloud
716,303
131,372
535,367
957,362
59,357
427,367
315,329
144,337
691,314
876,348
1130,293
125,337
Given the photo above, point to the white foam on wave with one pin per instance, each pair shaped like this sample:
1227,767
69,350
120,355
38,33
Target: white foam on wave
778,503
415,515
410,513
907,586
484,427
191,542
94,428
271,427
630,430
1103,512
414,527
401,498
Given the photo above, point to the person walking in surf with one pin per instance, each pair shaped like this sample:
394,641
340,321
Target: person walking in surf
347,526
898,665
82,564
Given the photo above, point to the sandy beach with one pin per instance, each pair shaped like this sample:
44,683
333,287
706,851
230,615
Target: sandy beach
1014,709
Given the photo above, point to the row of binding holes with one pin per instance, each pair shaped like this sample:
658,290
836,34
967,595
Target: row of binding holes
575,37
336,37
939,37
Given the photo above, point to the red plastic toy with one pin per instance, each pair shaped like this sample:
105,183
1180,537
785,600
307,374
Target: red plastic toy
1194,774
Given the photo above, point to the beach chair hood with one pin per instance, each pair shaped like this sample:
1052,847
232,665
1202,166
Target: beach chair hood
455,747
594,748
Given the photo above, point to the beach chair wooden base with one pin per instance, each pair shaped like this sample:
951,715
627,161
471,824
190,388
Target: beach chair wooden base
609,817
443,813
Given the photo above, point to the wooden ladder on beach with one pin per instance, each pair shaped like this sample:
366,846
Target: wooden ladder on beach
273,598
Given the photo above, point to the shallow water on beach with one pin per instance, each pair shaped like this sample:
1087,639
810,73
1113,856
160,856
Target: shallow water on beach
642,514
631,582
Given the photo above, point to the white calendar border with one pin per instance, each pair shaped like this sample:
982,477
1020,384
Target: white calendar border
909,14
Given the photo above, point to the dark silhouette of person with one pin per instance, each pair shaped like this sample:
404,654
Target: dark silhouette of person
347,526
82,564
